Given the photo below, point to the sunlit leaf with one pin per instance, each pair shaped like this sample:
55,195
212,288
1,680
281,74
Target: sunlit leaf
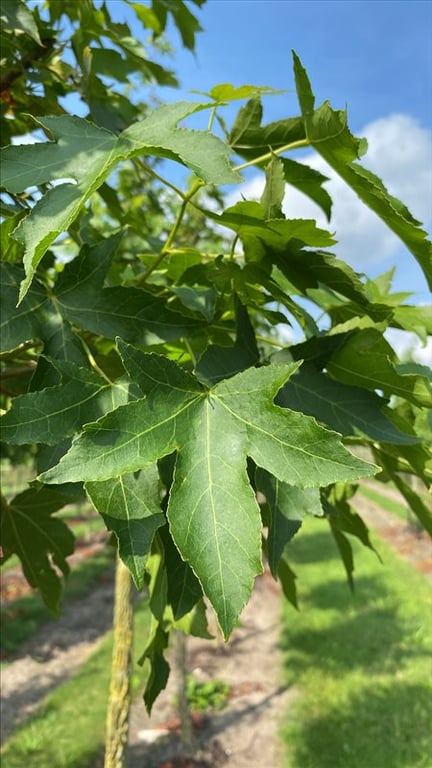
213,514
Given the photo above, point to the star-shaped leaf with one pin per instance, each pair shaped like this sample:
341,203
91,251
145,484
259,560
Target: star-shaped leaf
51,414
82,155
40,540
327,131
347,409
130,507
288,506
212,511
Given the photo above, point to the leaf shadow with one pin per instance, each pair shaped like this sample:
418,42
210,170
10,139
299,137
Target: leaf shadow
383,726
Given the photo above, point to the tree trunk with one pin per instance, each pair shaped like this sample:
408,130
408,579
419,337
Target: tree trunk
117,725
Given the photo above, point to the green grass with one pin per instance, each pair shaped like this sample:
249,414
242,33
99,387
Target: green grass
385,502
361,664
15,478
68,729
85,524
22,617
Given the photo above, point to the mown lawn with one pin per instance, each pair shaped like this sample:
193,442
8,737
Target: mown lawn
361,665
397,508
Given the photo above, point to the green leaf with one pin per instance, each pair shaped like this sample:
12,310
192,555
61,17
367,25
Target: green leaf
199,298
250,139
328,133
87,154
41,541
343,519
195,622
288,506
183,587
274,190
218,362
413,499
131,509
201,151
186,23
247,219
132,313
343,516
156,666
312,269
49,415
23,323
287,580
415,502
416,319
366,359
345,550
16,17
309,181
346,409
227,92
213,514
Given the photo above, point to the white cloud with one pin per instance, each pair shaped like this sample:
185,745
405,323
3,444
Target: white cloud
408,346
400,153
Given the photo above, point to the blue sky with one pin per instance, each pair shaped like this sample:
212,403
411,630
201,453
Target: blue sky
375,58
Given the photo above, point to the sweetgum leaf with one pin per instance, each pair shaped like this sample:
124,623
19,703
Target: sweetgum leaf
82,155
130,508
287,580
16,17
274,190
248,220
30,319
218,362
343,519
347,409
183,587
251,139
415,318
132,313
415,502
212,511
156,665
309,181
40,540
288,506
327,131
51,414
366,359
227,92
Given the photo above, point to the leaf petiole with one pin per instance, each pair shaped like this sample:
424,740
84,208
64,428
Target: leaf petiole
268,155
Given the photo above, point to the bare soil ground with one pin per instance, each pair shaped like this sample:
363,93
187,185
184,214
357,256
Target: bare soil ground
406,538
245,733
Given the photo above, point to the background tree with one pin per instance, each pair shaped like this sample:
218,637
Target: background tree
155,377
